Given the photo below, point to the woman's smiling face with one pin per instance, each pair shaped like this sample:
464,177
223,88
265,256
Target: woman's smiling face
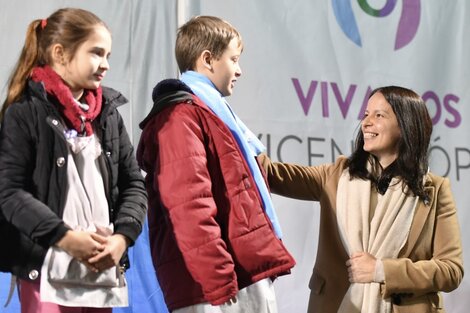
380,130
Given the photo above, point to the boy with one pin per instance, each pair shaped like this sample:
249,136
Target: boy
213,233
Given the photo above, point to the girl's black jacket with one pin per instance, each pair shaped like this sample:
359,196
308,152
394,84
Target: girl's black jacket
33,178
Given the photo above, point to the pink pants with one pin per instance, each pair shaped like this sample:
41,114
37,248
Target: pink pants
31,302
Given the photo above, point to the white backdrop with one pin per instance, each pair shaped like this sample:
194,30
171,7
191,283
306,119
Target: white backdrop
307,68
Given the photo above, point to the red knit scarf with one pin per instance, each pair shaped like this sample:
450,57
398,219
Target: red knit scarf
74,116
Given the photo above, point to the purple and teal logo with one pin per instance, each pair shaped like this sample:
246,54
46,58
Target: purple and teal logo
407,26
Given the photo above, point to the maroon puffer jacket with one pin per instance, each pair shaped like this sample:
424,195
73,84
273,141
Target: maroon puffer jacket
209,235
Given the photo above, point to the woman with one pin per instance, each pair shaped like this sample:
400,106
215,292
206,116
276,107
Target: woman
389,236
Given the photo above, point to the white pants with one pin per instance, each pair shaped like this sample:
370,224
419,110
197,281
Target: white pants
256,298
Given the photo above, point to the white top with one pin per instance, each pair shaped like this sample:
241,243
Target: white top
64,280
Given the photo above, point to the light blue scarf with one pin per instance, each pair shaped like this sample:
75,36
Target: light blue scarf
248,143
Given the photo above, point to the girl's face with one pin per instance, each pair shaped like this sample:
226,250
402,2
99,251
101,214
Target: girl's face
87,68
226,70
380,130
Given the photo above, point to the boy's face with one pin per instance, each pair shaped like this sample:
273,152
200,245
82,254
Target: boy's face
226,69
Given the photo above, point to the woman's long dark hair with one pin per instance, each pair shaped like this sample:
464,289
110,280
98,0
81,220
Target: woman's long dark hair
415,126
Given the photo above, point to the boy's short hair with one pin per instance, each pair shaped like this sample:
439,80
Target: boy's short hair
202,33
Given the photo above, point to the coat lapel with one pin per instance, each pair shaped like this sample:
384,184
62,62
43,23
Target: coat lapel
421,215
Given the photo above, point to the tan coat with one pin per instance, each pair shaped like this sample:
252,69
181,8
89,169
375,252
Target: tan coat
430,261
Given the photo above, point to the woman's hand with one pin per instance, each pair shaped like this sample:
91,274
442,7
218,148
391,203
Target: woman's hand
114,248
361,267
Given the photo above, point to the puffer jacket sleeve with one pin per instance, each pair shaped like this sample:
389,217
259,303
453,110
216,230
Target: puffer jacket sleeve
442,270
132,198
19,207
183,180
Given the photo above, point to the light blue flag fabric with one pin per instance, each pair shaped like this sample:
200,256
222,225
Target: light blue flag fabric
145,294
14,306
248,143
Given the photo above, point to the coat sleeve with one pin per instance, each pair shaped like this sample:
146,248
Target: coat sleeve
132,203
298,181
443,270
183,180
18,205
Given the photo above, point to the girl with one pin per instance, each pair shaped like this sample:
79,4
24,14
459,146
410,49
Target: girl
389,236
72,198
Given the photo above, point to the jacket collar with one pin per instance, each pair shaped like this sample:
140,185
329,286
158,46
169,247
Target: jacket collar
167,93
111,100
